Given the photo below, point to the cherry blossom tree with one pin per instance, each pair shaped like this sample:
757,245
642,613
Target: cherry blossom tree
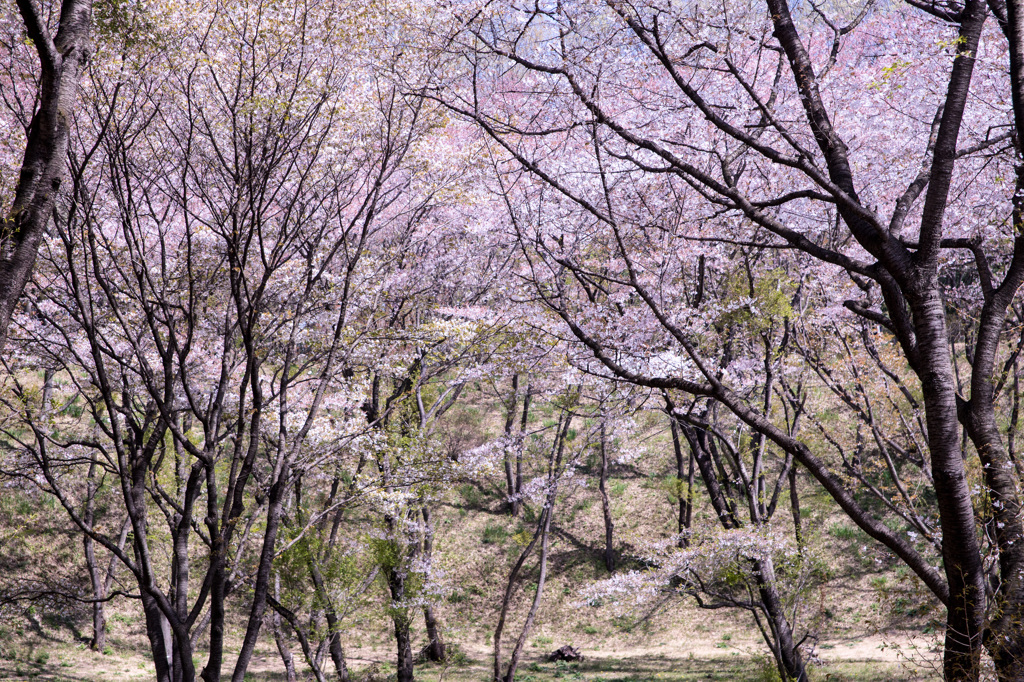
647,145
238,199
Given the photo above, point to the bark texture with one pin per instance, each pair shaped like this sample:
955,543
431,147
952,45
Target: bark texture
63,57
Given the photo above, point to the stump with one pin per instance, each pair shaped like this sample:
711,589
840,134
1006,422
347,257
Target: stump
566,653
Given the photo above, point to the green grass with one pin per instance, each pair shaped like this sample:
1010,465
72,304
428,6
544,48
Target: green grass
843,532
494,534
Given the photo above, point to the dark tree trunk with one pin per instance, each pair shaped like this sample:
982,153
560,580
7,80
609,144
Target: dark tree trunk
521,443
606,507
335,649
261,586
794,503
435,643
158,644
396,575
685,501
400,618
510,420
62,58
779,633
697,440
218,594
961,553
789,659
99,593
1005,637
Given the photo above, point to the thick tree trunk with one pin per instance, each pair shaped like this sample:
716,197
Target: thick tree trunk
396,575
435,643
400,619
961,553
158,644
1004,638
790,662
63,58
335,649
218,594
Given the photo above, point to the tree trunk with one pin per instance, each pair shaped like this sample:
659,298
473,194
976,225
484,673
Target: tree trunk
282,648
520,444
790,663
307,651
62,58
961,554
517,650
261,587
218,593
44,409
542,532
510,420
435,644
157,642
606,507
99,593
685,502
396,575
279,638
506,601
794,503
400,618
779,635
333,625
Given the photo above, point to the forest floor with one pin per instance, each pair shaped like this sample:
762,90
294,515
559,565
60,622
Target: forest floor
697,646
868,660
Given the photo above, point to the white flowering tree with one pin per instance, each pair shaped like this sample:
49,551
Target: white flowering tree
237,196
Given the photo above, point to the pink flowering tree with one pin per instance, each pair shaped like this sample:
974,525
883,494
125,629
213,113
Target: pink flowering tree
652,148
218,276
